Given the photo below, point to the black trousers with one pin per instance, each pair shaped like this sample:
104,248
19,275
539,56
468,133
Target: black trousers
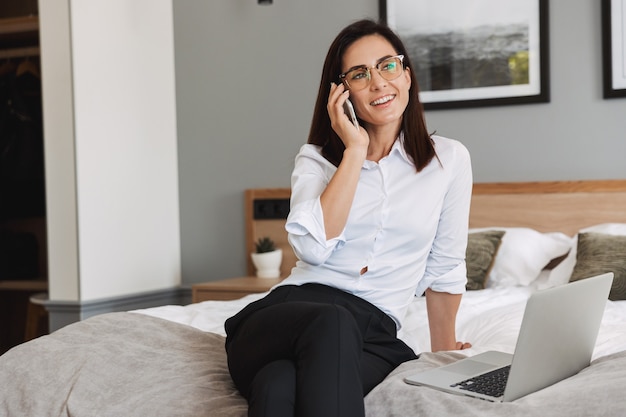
311,350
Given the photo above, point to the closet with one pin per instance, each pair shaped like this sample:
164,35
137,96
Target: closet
23,252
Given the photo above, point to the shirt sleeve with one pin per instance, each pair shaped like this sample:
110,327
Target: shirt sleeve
305,223
445,267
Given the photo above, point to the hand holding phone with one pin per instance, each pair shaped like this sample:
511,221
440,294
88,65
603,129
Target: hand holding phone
349,109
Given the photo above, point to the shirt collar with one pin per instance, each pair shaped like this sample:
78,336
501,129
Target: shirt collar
397,147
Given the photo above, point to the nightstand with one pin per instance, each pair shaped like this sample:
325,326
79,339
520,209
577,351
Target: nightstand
231,289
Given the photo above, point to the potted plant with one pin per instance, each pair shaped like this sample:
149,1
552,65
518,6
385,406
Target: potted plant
267,258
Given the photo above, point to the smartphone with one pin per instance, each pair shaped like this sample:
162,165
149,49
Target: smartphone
349,109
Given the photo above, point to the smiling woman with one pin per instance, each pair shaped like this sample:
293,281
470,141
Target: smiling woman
379,214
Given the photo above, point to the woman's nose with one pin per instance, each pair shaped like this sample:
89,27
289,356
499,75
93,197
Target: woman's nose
376,80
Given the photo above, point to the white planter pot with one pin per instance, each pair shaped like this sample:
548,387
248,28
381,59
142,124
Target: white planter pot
268,264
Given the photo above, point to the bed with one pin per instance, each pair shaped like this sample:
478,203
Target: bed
524,237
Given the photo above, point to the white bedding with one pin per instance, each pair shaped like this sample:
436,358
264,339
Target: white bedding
490,319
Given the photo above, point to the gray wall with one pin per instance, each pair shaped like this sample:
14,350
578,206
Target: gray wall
247,78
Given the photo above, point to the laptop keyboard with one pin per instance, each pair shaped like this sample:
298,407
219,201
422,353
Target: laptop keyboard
492,383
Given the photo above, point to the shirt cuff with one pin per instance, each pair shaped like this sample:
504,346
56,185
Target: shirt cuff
307,220
452,282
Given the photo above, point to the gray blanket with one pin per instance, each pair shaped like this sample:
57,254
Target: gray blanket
119,364
126,364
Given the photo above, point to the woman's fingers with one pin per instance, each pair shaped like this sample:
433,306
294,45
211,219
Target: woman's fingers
463,345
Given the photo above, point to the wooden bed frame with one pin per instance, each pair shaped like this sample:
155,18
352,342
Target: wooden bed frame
555,206
558,206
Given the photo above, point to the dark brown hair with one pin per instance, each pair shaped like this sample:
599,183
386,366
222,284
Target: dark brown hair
417,141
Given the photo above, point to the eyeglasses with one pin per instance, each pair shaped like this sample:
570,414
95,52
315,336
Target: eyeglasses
358,78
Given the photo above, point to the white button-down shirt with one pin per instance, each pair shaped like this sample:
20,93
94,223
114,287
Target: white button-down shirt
408,228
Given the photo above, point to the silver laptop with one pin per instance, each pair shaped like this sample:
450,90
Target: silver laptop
556,340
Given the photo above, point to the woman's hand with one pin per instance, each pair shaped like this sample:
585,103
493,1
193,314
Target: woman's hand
463,345
341,123
336,200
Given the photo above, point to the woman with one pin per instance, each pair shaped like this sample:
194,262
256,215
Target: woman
379,214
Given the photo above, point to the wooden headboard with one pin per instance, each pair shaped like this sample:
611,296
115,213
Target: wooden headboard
556,206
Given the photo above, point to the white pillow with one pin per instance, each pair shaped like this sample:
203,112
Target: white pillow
562,272
523,254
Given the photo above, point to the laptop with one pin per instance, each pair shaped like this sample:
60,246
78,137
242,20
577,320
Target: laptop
556,340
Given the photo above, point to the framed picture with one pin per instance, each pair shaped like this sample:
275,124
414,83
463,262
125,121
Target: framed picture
614,47
469,53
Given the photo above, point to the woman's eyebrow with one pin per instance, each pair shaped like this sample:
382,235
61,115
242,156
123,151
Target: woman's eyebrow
383,58
365,66
362,66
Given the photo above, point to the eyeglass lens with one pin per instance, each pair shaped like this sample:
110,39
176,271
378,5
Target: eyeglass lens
389,69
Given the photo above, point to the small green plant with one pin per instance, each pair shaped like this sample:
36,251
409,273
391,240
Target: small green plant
265,244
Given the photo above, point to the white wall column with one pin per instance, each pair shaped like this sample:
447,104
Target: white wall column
109,106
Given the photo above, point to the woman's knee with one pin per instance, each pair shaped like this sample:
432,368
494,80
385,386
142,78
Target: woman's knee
331,319
330,328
